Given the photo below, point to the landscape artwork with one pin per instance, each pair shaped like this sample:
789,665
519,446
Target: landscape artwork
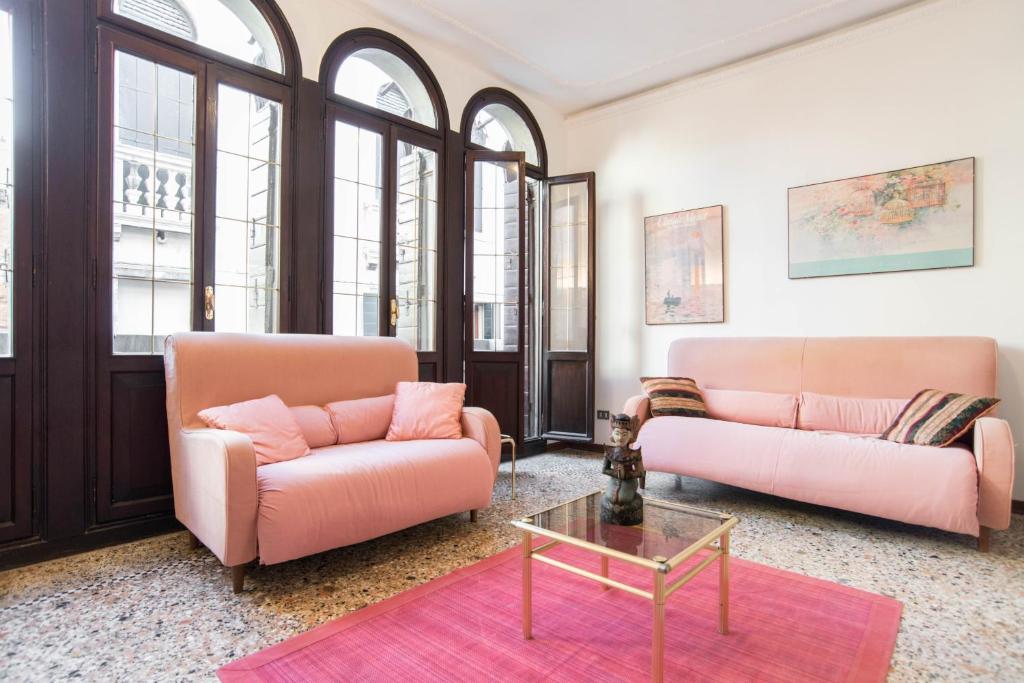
911,219
684,269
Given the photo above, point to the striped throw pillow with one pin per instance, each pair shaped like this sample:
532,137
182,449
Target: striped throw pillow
937,418
674,396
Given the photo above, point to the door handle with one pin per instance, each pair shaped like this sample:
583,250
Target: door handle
208,303
394,312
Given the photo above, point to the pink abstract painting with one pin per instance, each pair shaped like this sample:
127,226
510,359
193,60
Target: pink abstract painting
684,273
909,219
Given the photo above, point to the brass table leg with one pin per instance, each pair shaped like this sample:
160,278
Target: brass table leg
527,586
505,438
658,637
604,571
723,585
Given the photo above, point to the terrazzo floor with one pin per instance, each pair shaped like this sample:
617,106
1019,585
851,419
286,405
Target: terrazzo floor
154,610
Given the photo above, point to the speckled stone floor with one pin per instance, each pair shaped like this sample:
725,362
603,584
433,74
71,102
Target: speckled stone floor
155,610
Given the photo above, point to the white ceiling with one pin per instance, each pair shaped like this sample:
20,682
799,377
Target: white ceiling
576,54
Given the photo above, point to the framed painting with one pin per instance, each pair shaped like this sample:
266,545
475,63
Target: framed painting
911,219
684,273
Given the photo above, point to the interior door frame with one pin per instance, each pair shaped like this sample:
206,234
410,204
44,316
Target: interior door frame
471,355
569,356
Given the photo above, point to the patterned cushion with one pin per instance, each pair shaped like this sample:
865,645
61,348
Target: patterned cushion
674,396
937,418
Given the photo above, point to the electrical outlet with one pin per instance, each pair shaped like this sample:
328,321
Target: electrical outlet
603,415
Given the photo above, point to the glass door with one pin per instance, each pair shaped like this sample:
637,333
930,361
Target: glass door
192,217
567,335
383,209
495,285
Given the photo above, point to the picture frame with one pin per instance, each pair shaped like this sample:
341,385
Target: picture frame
684,267
915,218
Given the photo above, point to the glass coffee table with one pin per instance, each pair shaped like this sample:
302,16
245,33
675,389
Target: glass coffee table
670,535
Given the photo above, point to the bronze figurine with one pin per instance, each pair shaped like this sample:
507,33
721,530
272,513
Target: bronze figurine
622,502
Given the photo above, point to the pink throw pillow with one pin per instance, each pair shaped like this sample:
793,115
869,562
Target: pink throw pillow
427,410
751,407
362,419
315,424
822,412
267,421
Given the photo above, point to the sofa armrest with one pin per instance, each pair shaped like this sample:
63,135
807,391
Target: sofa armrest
215,493
478,424
993,449
640,406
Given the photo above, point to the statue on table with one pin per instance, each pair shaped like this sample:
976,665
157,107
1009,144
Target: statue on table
622,503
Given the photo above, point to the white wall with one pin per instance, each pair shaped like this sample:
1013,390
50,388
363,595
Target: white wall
317,24
940,81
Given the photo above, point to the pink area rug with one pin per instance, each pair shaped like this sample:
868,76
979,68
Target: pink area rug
466,627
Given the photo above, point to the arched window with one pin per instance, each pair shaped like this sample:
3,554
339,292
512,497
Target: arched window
387,119
382,80
236,28
195,206
193,211
496,119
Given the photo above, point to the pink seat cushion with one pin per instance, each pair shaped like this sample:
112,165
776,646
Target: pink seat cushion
316,426
846,414
427,410
916,484
349,493
751,407
361,419
275,435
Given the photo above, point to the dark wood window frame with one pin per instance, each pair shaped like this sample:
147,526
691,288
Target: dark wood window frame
123,442
267,8
501,96
393,129
18,402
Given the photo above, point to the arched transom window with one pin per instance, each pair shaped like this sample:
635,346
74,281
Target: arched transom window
383,80
499,127
235,28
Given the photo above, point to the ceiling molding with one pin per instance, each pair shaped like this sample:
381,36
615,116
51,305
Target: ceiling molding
857,33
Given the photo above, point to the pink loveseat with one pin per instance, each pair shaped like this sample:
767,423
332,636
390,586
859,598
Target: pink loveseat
965,488
336,496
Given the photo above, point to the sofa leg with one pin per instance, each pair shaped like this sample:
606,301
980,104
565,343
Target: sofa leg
238,578
472,515
193,541
643,482
984,537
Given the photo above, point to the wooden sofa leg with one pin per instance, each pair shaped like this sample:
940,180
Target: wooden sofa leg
193,541
984,537
472,515
238,578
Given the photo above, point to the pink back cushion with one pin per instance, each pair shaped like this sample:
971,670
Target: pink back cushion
267,421
821,412
870,367
316,426
362,419
427,410
751,407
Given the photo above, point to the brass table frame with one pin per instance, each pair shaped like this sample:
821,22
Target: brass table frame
661,567
505,438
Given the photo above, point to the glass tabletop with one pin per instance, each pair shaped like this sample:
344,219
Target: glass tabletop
668,529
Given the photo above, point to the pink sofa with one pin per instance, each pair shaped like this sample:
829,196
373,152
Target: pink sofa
336,496
965,488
